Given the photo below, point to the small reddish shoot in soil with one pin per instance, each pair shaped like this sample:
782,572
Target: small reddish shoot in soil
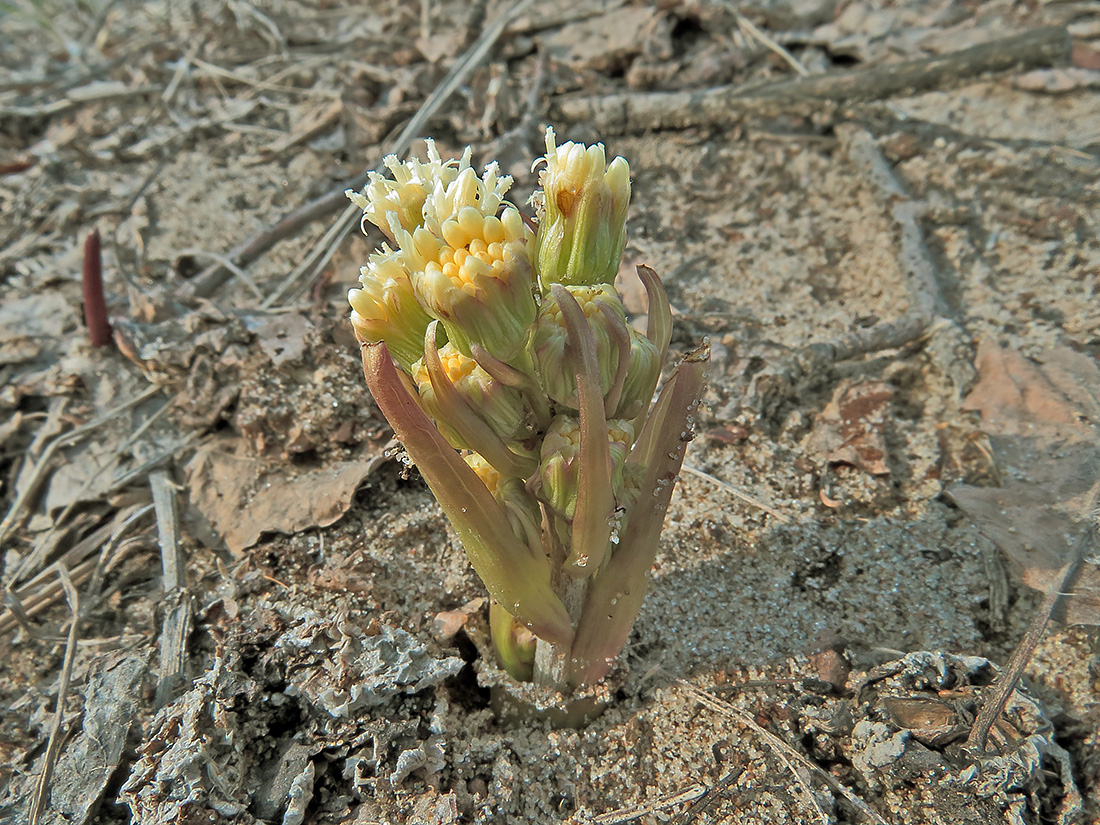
95,304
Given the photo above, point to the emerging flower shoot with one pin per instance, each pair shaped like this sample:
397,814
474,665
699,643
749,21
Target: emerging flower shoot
504,361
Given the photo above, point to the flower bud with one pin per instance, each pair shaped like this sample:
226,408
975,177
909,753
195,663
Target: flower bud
641,376
520,506
497,405
582,227
549,343
515,644
386,309
559,469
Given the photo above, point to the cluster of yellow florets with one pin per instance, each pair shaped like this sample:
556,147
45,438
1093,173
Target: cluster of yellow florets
474,247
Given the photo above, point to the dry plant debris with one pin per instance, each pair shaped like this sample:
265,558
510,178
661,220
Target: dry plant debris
288,667
1045,421
1043,418
850,428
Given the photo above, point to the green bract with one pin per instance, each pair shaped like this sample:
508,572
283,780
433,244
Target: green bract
504,362
582,228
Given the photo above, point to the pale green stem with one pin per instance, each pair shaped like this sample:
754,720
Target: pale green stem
552,664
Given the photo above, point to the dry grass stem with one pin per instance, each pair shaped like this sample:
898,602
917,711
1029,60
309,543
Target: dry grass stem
53,746
89,559
733,491
795,762
750,30
11,519
632,813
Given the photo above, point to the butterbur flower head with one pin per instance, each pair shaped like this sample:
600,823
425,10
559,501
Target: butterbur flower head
505,365
472,270
550,341
385,308
582,225
559,468
447,198
404,194
499,406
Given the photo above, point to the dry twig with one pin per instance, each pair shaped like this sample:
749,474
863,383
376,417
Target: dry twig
818,96
706,802
994,704
780,378
212,278
914,258
95,92
176,628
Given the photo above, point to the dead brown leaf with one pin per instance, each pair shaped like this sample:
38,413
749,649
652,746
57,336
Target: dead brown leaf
89,473
850,428
243,497
1042,418
1019,397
